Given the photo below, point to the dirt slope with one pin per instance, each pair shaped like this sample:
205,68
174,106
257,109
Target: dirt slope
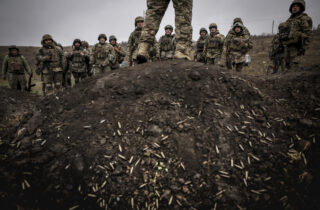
169,135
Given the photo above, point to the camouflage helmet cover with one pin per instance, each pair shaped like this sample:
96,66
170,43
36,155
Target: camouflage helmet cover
168,27
113,37
237,20
213,25
102,36
301,3
237,25
77,41
203,30
11,47
85,44
138,19
47,37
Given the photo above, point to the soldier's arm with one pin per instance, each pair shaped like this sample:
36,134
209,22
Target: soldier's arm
41,58
122,52
26,65
92,60
306,30
130,43
205,47
222,43
5,65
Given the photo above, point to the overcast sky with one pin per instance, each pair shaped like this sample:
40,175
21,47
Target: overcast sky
23,22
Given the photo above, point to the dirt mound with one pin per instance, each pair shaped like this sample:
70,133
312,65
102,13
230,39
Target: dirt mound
170,135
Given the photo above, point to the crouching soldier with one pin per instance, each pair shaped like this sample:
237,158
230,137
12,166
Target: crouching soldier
15,65
120,53
79,60
103,55
50,65
238,44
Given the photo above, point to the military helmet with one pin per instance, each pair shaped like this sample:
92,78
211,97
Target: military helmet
102,36
85,44
11,47
237,25
237,20
138,19
213,25
47,37
112,37
301,3
203,30
77,40
168,27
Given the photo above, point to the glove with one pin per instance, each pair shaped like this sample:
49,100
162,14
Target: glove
111,57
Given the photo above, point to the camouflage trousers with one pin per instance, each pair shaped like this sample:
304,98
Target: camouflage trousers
292,55
17,81
66,79
183,17
199,57
79,76
166,55
52,81
103,69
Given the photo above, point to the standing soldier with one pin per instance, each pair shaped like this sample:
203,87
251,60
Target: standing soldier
298,39
15,65
79,60
50,64
213,46
231,33
183,35
85,46
134,40
167,44
120,53
200,57
237,44
103,55
277,52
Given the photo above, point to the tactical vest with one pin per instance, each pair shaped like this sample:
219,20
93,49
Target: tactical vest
136,38
234,45
55,61
15,65
214,43
200,45
78,62
166,43
101,51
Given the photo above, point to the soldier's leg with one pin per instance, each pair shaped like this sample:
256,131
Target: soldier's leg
83,75
275,65
47,81
22,81
239,67
183,35
154,15
57,79
13,83
228,62
76,77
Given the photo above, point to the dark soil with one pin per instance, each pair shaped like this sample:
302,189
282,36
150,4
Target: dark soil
169,135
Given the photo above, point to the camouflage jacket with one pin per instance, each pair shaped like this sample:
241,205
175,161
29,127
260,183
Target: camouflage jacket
154,51
213,45
79,60
239,42
200,44
300,30
120,53
100,55
167,43
50,59
133,43
15,64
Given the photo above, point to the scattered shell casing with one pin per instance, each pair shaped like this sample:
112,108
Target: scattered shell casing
217,150
170,200
119,125
131,159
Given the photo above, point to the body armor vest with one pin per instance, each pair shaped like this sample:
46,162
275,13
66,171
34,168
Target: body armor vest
15,65
166,43
78,61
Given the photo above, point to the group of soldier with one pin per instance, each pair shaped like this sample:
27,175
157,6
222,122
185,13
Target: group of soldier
56,66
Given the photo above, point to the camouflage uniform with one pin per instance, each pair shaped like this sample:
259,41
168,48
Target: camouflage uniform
154,51
50,65
200,56
133,42
103,56
120,53
213,46
183,35
15,66
230,34
167,45
79,60
237,45
85,46
277,52
299,34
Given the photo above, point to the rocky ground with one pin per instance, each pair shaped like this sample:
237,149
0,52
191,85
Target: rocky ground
168,135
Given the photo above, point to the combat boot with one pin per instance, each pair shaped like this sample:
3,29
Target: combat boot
143,52
183,51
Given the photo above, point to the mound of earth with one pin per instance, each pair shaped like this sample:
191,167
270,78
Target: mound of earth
167,135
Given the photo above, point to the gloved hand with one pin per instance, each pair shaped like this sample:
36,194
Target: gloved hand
111,57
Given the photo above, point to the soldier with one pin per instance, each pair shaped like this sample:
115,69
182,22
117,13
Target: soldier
15,65
85,46
50,64
79,60
200,57
231,33
103,55
238,44
154,51
213,46
120,53
167,44
300,31
183,35
134,40
277,53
